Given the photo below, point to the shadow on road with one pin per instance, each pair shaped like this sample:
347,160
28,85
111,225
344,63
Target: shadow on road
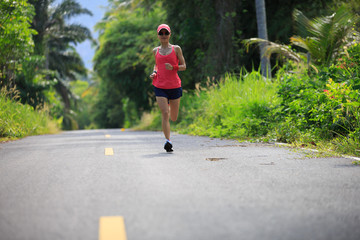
157,155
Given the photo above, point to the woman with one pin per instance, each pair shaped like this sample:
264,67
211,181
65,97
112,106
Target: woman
167,84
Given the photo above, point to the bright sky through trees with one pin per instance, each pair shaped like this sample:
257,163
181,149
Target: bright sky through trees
98,8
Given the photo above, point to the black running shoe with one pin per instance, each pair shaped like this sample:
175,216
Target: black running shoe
168,146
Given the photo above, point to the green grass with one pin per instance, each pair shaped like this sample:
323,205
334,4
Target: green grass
238,107
18,120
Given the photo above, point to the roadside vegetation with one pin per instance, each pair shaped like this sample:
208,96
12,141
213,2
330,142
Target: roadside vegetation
37,64
20,120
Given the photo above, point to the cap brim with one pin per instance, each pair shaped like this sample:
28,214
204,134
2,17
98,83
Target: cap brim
164,29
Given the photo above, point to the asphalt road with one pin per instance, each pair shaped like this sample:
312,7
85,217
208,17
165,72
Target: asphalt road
59,186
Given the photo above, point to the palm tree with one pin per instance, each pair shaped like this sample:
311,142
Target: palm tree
323,38
49,19
54,40
262,32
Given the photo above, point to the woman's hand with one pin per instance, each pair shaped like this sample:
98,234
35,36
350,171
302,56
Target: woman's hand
153,75
168,66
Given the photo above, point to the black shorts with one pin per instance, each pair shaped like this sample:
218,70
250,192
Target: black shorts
174,93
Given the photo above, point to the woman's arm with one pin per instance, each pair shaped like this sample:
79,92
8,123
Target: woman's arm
179,54
182,64
153,74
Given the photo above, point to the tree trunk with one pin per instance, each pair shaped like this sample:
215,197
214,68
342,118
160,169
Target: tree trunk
262,33
224,53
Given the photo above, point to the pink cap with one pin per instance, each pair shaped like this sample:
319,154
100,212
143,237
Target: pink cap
163,26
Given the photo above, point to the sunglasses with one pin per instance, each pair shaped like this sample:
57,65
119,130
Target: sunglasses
163,33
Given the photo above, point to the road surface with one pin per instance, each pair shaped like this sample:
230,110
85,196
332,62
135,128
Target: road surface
60,186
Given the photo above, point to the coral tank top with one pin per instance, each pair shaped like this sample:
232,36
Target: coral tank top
166,79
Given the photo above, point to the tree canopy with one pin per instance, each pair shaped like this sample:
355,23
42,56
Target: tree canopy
16,41
124,61
37,54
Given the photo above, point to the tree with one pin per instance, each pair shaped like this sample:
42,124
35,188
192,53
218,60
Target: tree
324,37
55,41
207,31
210,32
124,60
15,38
321,37
352,6
262,33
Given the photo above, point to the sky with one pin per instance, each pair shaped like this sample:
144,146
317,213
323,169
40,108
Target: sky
98,8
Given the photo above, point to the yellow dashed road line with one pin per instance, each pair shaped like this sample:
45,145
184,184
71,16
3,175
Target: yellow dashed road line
109,151
112,228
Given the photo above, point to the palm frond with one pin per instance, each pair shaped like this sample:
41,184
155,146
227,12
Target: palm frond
70,8
300,42
73,33
273,48
304,26
67,64
326,35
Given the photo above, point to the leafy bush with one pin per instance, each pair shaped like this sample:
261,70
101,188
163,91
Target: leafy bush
323,106
236,107
15,36
347,68
18,120
300,96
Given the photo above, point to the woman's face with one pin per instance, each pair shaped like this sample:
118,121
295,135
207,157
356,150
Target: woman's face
164,36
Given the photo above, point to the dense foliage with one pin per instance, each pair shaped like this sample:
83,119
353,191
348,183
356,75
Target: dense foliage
38,58
210,32
61,63
16,42
238,107
124,61
19,120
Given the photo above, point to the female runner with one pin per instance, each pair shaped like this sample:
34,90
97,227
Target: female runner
167,84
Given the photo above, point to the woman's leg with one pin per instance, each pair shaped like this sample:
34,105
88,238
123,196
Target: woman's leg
174,109
164,108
